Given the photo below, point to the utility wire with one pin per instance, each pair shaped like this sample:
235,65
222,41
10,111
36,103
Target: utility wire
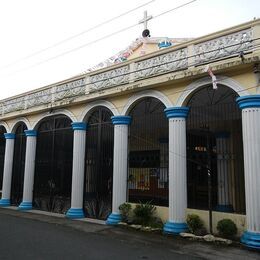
75,36
165,63
97,40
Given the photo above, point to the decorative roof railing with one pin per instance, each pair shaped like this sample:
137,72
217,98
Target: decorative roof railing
203,50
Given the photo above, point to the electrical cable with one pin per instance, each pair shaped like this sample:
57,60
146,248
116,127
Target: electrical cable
75,35
95,41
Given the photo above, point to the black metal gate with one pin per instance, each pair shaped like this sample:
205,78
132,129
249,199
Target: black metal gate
214,113
53,169
2,154
18,165
148,153
99,164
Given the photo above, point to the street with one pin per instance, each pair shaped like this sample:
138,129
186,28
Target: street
31,236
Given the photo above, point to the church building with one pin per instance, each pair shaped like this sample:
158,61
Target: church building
174,122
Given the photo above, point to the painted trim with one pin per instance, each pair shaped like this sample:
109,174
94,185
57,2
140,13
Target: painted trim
75,213
9,135
251,239
64,112
174,228
30,133
222,80
100,103
144,94
121,120
5,125
113,219
4,202
173,112
19,120
248,101
25,205
79,126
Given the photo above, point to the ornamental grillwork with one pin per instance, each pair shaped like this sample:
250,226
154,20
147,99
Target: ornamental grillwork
110,78
161,64
223,46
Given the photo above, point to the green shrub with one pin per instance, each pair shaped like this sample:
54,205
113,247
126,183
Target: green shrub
227,228
125,209
194,223
143,214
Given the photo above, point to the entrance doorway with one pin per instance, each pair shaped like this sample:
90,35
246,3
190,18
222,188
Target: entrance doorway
2,154
148,153
99,164
214,139
53,167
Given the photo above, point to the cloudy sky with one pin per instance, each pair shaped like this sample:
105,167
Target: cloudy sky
46,41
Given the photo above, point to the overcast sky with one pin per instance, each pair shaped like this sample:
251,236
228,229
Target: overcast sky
30,26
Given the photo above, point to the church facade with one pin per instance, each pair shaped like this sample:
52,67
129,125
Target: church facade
178,127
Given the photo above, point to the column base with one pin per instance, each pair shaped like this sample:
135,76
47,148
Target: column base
174,228
75,213
4,202
114,219
25,205
224,208
251,239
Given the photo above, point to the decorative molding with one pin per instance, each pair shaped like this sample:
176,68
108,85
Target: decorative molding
223,80
70,89
143,94
223,46
165,63
109,78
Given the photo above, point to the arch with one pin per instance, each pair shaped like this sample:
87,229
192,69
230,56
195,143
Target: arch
102,103
5,125
223,80
65,112
147,93
17,121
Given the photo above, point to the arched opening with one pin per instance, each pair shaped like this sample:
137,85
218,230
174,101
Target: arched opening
214,139
99,164
2,153
18,164
53,166
148,153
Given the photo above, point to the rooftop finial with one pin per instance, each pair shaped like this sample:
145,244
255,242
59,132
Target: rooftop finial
146,18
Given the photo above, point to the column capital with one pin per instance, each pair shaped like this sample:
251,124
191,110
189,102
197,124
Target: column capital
79,126
173,112
121,120
30,133
9,136
248,101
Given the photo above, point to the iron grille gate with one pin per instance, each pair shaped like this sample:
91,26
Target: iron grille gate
53,169
18,165
2,154
214,138
99,164
148,153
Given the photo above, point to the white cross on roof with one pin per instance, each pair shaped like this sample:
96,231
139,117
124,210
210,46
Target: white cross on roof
145,19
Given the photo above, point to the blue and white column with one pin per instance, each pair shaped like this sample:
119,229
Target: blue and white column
223,168
8,167
79,146
31,138
177,170
121,124
250,106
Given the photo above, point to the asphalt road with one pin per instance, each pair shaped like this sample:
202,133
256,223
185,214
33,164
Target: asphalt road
34,236
31,239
